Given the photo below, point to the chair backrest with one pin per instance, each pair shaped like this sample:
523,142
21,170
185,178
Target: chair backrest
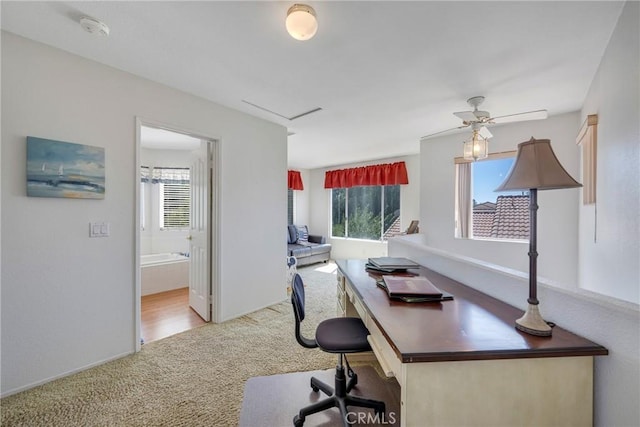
297,300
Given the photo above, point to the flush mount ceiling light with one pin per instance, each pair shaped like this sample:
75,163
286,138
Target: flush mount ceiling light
301,22
94,26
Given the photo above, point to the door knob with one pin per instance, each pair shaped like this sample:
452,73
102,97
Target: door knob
189,237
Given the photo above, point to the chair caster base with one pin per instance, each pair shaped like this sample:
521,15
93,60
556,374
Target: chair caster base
297,422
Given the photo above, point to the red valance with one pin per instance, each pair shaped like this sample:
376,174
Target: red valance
386,174
294,180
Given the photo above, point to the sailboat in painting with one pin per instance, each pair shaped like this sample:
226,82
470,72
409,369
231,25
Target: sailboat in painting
80,172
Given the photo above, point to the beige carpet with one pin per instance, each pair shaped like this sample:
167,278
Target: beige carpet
195,378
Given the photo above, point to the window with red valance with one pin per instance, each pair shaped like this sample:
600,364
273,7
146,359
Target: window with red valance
294,180
384,174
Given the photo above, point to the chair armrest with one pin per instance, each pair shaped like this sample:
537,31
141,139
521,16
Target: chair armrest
316,239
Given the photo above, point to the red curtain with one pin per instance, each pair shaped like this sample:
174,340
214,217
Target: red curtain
386,174
294,180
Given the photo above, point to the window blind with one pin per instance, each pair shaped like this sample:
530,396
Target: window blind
176,203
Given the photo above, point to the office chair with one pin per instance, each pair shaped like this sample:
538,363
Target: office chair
338,335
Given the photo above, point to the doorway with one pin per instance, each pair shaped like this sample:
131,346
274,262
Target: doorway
176,218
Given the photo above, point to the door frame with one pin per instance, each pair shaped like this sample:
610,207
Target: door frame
213,229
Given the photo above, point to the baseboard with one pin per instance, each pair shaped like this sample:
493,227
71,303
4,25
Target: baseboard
63,375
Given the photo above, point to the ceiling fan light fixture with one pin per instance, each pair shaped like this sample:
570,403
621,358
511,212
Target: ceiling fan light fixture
476,147
301,22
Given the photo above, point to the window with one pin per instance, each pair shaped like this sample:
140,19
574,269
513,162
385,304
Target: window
174,206
366,212
587,138
290,206
143,219
483,213
145,178
174,191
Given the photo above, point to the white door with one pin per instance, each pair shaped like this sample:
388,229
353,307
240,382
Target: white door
199,245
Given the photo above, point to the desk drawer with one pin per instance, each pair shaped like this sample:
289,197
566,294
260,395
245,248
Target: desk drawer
360,311
391,365
341,301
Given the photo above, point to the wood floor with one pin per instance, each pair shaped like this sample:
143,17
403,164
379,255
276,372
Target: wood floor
167,313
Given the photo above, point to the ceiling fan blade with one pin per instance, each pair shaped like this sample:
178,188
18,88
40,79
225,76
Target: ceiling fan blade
466,116
520,117
443,131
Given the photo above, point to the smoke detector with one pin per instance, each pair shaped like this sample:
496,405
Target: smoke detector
94,26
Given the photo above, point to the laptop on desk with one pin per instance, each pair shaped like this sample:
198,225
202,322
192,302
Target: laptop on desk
405,286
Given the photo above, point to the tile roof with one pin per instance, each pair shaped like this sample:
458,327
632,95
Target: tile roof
482,223
393,230
485,206
508,220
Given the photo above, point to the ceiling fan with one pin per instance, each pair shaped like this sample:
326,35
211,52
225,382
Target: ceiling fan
478,119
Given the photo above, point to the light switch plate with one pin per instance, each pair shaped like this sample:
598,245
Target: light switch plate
98,229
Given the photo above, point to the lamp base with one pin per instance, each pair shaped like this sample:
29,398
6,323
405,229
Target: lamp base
533,323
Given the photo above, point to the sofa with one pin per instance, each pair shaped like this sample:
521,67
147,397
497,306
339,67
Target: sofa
307,248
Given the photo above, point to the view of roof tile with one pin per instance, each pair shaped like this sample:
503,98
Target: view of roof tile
485,206
508,220
482,223
393,230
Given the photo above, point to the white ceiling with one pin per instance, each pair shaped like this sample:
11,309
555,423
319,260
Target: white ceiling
384,73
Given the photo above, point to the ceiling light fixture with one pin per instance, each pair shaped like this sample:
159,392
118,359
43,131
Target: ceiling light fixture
301,22
477,147
94,26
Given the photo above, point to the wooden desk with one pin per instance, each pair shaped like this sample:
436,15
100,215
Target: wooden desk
462,362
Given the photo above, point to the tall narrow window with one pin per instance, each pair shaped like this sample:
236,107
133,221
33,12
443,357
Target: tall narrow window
290,206
587,138
145,178
339,212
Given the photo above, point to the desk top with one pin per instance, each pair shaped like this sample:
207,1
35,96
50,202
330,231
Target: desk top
474,326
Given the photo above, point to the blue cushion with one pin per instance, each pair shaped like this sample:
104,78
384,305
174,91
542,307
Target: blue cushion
303,233
292,234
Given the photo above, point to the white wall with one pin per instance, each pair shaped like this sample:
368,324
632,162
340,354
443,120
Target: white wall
557,214
601,302
68,301
610,230
320,205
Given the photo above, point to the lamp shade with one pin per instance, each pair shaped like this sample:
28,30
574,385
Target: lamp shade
537,167
301,22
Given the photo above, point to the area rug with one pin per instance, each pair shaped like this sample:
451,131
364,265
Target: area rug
195,378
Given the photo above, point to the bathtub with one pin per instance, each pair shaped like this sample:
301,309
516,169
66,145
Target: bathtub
163,272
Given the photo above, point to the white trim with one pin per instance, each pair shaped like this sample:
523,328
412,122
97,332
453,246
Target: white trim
64,374
215,225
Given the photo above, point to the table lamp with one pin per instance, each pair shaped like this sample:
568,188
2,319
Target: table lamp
536,168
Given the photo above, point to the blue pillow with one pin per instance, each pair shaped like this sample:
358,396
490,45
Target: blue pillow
292,234
303,234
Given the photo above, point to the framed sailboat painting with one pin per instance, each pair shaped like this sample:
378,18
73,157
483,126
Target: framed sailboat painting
64,169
